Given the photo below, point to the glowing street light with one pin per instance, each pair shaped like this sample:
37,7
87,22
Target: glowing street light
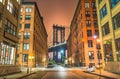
44,59
31,58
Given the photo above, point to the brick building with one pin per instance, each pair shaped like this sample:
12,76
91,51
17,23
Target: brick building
32,47
82,41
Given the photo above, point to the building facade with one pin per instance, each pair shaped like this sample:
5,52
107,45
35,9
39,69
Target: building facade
9,21
32,47
83,47
109,26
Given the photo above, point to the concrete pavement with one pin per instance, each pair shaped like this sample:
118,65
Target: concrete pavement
17,75
106,74
24,73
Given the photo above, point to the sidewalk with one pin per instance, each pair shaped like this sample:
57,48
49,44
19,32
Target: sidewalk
18,75
106,74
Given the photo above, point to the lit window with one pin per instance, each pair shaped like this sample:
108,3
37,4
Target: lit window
9,6
91,55
21,10
26,46
27,17
88,23
26,35
18,1
28,9
87,5
20,17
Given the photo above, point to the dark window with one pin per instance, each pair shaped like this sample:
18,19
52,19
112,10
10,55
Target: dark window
87,13
93,5
20,26
88,23
103,12
114,2
0,16
20,17
117,43
116,21
15,12
108,51
99,1
18,47
27,17
10,28
89,33
27,25
97,32
19,35
94,14
95,23
90,43
25,57
105,29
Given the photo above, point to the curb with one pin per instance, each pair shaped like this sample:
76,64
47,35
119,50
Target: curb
100,75
25,75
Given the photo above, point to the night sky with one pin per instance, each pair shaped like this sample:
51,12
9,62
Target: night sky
56,12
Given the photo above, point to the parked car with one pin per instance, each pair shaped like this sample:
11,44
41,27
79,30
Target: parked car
91,69
50,65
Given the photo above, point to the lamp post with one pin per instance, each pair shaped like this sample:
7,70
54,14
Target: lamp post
99,55
31,58
44,59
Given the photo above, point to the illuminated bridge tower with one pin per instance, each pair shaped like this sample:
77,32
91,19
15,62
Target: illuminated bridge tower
58,34
58,50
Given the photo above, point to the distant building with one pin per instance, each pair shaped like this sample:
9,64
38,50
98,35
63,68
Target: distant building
9,21
109,26
32,47
82,45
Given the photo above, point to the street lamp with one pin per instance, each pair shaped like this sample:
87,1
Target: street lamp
44,59
99,55
31,58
